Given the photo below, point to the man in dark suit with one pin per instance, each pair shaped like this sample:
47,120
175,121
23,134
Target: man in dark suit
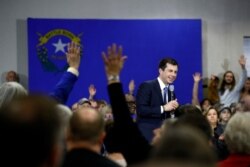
155,101
84,140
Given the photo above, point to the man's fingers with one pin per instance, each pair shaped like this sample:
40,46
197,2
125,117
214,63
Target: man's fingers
104,57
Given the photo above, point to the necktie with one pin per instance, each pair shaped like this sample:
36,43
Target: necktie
165,94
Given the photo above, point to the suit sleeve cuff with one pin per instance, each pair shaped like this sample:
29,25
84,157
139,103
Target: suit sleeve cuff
73,71
162,109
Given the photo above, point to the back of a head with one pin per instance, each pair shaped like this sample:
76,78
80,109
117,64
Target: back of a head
184,144
10,91
188,108
64,113
30,131
196,120
237,133
86,124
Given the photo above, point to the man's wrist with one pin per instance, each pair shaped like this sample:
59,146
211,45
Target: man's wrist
113,78
73,71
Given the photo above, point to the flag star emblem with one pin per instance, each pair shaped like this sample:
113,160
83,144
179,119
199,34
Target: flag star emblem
59,46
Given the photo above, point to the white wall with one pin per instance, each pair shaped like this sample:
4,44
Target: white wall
225,22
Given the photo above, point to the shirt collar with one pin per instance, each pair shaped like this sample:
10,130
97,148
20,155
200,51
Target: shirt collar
162,85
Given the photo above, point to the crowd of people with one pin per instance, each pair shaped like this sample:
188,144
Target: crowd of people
144,128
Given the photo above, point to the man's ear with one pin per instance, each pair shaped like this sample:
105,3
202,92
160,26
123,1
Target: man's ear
160,71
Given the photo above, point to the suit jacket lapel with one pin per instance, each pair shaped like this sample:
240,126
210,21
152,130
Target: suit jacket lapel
158,90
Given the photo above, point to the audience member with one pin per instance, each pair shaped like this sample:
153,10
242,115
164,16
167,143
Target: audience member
237,137
246,89
12,76
65,85
85,138
10,91
229,91
31,132
225,115
212,116
184,145
130,95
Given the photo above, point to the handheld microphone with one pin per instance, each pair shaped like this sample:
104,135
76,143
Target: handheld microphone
171,89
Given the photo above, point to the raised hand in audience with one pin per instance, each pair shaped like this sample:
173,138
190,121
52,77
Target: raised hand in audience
113,62
197,78
242,61
92,91
73,55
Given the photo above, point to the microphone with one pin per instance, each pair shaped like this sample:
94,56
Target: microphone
171,89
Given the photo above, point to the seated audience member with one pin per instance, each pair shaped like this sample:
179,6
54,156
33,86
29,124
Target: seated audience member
100,104
12,90
212,116
12,76
65,113
245,103
183,145
130,95
205,104
246,89
85,137
236,107
31,132
237,137
132,109
74,107
83,102
225,115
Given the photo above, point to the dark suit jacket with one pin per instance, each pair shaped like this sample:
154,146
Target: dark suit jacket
83,157
148,106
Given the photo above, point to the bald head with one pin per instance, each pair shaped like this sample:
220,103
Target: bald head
86,124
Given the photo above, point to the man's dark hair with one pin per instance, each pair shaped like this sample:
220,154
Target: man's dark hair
163,62
188,108
196,120
30,128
